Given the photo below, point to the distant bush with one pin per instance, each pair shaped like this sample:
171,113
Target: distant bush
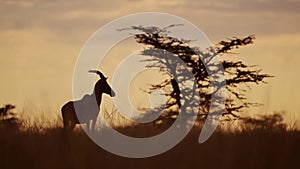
265,122
8,118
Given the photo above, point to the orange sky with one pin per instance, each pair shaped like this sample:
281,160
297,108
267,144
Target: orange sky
40,41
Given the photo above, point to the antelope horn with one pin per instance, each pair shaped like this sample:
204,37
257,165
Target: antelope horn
98,72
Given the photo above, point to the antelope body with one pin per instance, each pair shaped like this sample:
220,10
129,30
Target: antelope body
87,108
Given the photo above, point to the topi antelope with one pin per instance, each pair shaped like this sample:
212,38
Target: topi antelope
87,109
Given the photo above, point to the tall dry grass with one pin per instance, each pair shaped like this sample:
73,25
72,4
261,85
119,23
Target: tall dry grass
37,146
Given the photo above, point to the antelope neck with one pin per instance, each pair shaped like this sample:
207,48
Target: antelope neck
98,96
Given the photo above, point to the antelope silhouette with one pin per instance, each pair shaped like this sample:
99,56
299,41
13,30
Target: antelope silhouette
87,109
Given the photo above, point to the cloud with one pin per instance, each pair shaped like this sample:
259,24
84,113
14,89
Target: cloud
76,20
246,6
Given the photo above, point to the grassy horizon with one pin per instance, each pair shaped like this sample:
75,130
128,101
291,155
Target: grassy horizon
274,146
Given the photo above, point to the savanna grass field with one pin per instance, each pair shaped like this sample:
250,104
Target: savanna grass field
272,144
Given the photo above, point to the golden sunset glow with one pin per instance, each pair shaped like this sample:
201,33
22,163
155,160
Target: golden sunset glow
40,42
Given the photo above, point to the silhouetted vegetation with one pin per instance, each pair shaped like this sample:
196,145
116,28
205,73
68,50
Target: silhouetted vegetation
265,122
8,118
162,50
253,147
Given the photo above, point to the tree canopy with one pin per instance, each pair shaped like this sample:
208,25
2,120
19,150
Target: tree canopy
161,49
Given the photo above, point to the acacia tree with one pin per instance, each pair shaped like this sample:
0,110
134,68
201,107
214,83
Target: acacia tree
161,49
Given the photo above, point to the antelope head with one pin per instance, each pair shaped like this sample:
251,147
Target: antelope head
102,85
